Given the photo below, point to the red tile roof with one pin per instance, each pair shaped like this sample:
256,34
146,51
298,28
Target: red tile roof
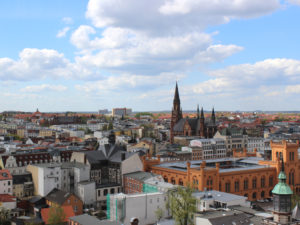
5,175
68,210
7,198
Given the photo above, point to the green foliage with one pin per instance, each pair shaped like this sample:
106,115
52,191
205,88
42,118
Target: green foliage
56,216
295,200
138,115
105,127
182,205
110,126
4,217
159,213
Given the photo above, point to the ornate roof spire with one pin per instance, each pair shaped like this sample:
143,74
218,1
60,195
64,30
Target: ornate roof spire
202,113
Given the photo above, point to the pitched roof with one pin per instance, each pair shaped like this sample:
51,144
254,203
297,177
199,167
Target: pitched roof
5,175
58,196
68,210
7,198
140,175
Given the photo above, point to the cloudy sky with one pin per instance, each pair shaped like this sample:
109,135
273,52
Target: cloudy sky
85,55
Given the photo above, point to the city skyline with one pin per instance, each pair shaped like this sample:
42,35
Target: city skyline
88,55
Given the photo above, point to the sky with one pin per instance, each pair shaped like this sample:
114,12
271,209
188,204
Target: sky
80,55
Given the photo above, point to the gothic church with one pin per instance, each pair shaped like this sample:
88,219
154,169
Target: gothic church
190,126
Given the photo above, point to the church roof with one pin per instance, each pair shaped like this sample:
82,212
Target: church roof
282,188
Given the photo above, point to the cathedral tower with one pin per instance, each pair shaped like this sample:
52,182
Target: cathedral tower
176,112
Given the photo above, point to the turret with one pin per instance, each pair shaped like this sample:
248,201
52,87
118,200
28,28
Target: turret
282,199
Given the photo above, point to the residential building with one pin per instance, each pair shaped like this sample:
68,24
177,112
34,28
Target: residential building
59,198
257,143
134,182
22,185
235,138
87,193
6,182
123,207
119,112
211,148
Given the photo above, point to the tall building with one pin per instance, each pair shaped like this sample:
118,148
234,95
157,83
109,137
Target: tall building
190,126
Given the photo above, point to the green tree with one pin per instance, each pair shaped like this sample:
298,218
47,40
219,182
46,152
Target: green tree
159,213
4,217
57,216
182,205
110,126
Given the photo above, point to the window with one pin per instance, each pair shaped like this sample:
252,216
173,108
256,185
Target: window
112,190
105,192
227,186
99,193
254,183
262,182
75,208
9,182
246,184
270,181
237,186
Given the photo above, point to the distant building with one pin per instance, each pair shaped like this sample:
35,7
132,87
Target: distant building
211,148
6,182
119,112
103,111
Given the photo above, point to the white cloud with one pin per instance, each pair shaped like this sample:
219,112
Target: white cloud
175,15
35,64
294,2
44,87
268,77
63,32
128,82
292,89
67,20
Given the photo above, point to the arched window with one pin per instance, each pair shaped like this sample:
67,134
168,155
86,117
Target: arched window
262,194
291,177
262,181
254,195
254,182
166,179
246,184
180,182
236,186
227,186
173,180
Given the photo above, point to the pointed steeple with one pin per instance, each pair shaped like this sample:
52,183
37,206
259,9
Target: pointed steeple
176,95
198,113
202,113
213,116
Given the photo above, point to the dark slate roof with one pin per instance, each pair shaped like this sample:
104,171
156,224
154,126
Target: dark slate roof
107,152
22,178
140,175
58,196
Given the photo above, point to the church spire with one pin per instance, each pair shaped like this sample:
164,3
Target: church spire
176,95
202,114
213,116
198,113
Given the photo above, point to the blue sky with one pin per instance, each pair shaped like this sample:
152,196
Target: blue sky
87,55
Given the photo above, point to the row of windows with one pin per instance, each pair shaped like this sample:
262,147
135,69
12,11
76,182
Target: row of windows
246,184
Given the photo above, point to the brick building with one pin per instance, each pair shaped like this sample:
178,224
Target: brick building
251,177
